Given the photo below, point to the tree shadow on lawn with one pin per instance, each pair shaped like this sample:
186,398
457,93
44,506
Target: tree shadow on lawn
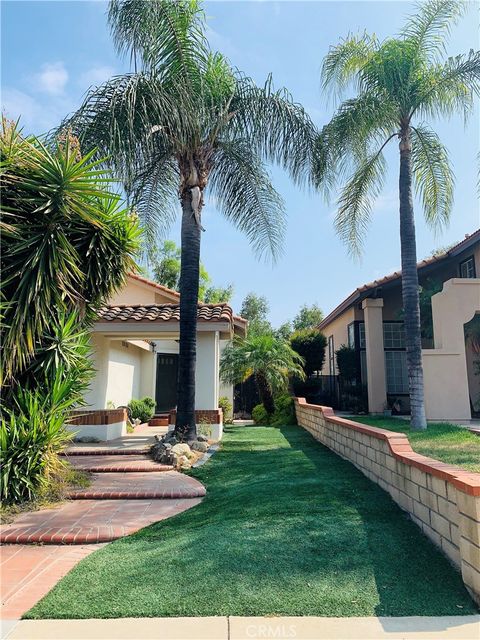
287,527
411,573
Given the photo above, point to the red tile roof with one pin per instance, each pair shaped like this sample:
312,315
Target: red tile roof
469,239
163,313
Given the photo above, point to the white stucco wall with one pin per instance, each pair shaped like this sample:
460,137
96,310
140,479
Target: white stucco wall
225,389
207,375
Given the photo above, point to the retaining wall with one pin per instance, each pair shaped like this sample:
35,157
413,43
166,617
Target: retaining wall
442,500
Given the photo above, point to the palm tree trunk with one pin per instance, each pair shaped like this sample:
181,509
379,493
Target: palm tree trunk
185,427
265,393
410,291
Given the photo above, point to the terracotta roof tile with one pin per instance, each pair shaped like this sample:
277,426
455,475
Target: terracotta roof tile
163,313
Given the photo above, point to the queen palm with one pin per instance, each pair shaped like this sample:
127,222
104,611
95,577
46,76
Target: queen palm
269,360
400,83
183,121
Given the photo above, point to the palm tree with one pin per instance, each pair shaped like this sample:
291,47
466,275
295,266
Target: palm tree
269,360
400,82
183,121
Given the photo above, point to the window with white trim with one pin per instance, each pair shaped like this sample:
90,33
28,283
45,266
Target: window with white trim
396,371
467,268
393,335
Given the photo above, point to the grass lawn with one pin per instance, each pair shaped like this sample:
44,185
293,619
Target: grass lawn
445,442
287,527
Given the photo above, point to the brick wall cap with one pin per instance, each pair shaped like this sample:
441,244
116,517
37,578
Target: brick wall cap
401,449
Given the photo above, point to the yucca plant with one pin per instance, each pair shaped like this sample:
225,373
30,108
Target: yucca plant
186,124
400,84
67,244
271,361
32,434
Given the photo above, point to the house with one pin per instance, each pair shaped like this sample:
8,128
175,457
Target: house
135,351
370,321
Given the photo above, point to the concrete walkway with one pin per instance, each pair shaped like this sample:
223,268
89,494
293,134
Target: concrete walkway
235,628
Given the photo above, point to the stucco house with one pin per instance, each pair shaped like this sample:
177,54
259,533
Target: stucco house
135,351
369,321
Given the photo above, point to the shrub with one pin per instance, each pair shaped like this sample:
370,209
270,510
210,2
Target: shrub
31,436
142,409
260,415
310,344
284,412
346,363
226,406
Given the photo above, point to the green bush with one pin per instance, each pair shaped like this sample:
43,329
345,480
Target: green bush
310,344
260,415
142,409
226,406
31,436
284,413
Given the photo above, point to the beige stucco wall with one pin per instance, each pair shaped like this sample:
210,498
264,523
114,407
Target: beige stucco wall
338,329
225,390
445,367
139,293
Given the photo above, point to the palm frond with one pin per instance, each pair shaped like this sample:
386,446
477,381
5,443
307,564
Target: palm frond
450,87
276,127
343,61
356,201
433,176
430,23
246,197
165,36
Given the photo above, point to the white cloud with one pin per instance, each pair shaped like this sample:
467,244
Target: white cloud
95,76
17,104
52,78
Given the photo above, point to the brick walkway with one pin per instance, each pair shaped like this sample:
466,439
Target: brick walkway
129,493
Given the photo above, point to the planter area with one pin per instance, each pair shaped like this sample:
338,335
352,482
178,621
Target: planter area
442,500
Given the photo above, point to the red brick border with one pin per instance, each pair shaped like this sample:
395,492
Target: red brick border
209,416
97,416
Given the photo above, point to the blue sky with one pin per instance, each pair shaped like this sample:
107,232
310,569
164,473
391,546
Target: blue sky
53,51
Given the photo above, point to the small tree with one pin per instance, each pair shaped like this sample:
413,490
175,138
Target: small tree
269,360
310,345
309,317
255,309
346,363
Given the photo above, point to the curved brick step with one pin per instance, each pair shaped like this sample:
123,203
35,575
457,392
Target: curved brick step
104,452
113,464
141,486
90,521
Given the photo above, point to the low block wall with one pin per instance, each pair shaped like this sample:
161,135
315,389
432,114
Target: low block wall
442,500
212,418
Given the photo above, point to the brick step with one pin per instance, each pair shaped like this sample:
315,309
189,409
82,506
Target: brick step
104,452
158,422
114,464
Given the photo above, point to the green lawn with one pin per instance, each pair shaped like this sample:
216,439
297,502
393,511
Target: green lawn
445,442
287,528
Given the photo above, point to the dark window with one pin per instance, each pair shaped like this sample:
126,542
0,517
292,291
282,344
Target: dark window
467,268
331,356
361,335
351,335
396,371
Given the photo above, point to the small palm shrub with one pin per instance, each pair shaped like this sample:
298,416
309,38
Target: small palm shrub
226,406
260,415
143,408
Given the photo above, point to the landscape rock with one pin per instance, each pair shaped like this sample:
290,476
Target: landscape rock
202,438
182,449
200,446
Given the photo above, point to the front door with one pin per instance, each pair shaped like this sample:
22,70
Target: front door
166,384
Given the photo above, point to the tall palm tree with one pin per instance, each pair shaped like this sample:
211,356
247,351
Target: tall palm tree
400,82
183,121
269,360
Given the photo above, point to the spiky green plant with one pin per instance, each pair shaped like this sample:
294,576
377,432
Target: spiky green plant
185,123
269,360
400,83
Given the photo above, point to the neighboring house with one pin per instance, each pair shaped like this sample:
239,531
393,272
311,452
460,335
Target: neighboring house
370,322
135,344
